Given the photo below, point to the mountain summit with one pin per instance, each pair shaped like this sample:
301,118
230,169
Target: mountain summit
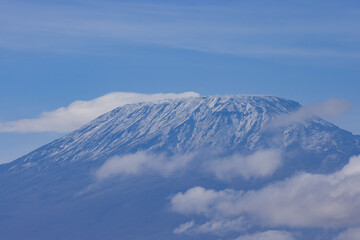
228,123
53,193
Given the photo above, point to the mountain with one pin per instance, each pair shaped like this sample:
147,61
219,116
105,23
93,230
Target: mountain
53,192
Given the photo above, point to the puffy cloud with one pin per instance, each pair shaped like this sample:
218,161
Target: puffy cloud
349,234
78,113
201,201
268,235
330,108
304,200
140,162
259,164
309,200
208,202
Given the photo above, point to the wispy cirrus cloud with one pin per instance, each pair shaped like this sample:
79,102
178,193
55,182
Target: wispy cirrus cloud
78,113
238,28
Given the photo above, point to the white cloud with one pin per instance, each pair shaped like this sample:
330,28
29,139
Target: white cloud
349,234
140,162
268,235
184,227
201,201
262,163
217,227
329,108
259,164
304,200
78,113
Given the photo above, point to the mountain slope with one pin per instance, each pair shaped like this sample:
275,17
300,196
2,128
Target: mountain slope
53,188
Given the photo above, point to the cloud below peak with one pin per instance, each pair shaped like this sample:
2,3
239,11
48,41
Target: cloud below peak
140,162
304,200
327,109
261,163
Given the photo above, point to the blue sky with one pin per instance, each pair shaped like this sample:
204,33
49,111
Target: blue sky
54,53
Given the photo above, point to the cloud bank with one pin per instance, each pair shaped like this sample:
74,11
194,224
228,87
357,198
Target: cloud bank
259,164
304,200
349,234
141,162
262,163
73,116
